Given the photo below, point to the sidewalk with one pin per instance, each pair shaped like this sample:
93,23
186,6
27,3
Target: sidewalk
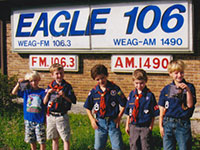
78,108
196,114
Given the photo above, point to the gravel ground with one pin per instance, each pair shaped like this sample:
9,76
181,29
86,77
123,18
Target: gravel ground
78,108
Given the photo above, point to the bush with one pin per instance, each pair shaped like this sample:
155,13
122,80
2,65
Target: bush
6,85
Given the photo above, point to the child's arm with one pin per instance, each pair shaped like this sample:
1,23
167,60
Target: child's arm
61,93
117,120
189,94
162,113
46,98
152,123
127,129
190,102
16,88
93,121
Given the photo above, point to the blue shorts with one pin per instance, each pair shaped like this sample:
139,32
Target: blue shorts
34,132
107,127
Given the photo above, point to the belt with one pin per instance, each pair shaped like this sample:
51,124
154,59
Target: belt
108,118
56,114
146,124
175,119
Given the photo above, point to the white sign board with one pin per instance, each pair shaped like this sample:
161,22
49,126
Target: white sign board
150,63
135,27
43,62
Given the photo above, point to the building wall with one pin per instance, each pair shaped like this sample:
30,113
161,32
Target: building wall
18,64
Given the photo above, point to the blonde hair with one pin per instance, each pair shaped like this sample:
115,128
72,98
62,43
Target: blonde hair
32,75
55,67
139,74
176,65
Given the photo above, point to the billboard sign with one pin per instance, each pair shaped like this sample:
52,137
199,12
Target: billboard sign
135,27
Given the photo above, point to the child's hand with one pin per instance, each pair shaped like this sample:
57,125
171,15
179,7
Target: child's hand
20,80
127,130
50,91
94,124
161,131
150,128
183,86
61,93
117,122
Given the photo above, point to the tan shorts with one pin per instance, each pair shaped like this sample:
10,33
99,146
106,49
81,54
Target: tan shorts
58,126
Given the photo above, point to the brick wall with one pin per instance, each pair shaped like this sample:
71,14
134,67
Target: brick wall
82,82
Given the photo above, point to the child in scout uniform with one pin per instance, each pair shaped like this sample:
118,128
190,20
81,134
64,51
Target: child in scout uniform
141,109
102,106
59,97
176,104
34,109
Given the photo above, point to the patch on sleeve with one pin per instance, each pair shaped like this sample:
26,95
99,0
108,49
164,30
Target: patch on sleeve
156,107
113,104
113,92
146,111
121,94
166,104
130,112
96,107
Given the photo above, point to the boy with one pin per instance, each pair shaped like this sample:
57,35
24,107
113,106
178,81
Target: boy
105,99
141,109
59,97
34,109
176,104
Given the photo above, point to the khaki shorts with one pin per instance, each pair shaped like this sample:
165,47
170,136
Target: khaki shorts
58,126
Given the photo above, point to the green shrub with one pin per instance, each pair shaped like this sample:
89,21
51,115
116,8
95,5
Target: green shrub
6,85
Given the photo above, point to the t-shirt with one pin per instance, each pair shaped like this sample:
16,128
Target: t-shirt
34,108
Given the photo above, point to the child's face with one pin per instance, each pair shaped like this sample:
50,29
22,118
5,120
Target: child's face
101,80
139,84
58,75
177,76
34,83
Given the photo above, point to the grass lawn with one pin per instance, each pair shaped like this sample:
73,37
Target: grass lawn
82,134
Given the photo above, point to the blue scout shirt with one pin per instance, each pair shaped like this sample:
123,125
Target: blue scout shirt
114,97
175,105
68,91
148,107
34,109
